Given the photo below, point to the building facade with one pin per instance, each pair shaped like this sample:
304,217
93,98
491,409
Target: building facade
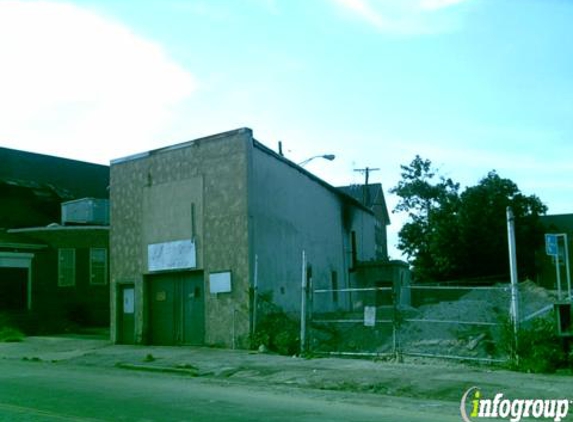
197,227
52,270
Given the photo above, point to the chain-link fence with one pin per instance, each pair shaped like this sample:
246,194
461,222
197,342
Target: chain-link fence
368,329
450,322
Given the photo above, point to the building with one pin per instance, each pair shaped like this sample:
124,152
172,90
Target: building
197,227
372,196
53,271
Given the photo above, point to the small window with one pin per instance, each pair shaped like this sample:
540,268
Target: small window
98,266
66,267
334,283
354,250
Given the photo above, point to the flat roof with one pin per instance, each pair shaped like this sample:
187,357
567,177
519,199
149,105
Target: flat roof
57,228
177,146
12,245
256,144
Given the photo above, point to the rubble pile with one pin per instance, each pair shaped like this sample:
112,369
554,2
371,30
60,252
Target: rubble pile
430,329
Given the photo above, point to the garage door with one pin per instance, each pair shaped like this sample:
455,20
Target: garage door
177,310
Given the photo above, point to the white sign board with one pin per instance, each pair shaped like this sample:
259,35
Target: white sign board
176,255
220,282
369,316
128,301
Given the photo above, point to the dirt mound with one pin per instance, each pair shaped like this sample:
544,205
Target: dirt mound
480,315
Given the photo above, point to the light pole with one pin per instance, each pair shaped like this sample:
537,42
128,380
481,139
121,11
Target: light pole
328,157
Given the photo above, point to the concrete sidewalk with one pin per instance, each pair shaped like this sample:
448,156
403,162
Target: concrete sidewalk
427,379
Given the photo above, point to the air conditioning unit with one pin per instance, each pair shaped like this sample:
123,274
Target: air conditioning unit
87,211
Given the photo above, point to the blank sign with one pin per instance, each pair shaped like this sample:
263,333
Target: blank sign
175,255
220,282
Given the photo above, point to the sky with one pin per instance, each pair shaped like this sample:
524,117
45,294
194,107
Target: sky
472,85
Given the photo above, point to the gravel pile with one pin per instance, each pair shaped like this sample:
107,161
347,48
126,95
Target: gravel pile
468,340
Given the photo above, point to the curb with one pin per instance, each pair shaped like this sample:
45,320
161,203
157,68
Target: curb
162,369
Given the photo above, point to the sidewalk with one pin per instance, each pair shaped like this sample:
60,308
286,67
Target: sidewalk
427,379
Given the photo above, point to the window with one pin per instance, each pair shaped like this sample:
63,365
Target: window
98,266
334,283
66,267
354,250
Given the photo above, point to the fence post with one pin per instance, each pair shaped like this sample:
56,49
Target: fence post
513,272
395,324
303,305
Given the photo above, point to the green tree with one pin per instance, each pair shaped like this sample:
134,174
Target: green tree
483,227
431,202
451,235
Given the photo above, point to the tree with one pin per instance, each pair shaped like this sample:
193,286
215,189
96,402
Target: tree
451,235
430,201
483,227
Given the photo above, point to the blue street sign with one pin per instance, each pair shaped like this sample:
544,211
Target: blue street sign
551,246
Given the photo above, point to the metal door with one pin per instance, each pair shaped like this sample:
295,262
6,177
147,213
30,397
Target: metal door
177,309
193,315
127,312
162,315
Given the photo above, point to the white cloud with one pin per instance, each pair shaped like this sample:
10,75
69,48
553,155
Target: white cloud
405,17
76,83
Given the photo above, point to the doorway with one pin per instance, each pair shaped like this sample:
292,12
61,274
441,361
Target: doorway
177,308
127,314
15,281
13,289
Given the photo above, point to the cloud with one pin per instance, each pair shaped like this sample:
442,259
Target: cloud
405,17
80,84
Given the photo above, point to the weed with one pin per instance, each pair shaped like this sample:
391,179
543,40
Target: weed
539,349
7,331
149,358
276,330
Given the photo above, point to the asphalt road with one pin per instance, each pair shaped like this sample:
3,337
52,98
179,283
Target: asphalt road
37,391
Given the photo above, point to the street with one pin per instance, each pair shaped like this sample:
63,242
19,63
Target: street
37,391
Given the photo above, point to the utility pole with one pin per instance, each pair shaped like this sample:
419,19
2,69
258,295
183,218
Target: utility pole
366,171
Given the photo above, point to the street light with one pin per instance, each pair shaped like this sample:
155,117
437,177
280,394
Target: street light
328,157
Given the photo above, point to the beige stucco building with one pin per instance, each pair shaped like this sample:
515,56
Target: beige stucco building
195,227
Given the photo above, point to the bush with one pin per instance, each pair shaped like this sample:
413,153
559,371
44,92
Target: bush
9,334
275,329
539,348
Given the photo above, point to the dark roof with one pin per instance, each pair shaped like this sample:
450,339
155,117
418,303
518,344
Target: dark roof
78,178
372,196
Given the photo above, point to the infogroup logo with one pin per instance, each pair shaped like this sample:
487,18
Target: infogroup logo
474,406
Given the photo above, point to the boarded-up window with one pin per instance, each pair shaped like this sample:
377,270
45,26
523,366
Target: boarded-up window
98,266
66,267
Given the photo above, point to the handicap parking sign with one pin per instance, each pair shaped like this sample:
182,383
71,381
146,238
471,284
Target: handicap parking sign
551,246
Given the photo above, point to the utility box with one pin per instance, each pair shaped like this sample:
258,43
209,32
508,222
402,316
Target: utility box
86,211
564,315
